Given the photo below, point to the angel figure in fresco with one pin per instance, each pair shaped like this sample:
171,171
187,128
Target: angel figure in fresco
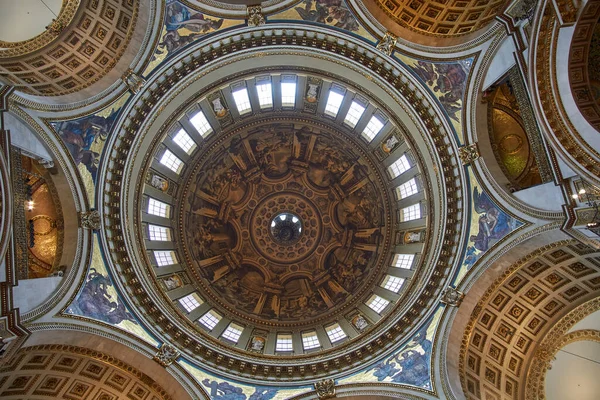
410,365
326,11
179,16
81,134
447,80
94,301
493,223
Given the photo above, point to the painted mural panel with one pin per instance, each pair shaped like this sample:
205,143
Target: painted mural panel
447,81
184,25
327,12
99,300
85,139
219,389
409,365
489,225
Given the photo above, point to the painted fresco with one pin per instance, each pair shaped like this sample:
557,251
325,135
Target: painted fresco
409,365
219,389
489,225
447,81
328,12
184,25
99,300
85,139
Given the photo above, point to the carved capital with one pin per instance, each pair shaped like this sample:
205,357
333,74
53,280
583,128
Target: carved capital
255,16
166,355
325,389
90,220
452,297
387,43
468,153
133,81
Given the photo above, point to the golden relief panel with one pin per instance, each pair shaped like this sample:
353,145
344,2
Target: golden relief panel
82,54
442,18
285,223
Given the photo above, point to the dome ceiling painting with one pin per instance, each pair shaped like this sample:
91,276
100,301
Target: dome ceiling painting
279,199
238,204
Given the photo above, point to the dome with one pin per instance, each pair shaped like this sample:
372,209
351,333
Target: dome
226,166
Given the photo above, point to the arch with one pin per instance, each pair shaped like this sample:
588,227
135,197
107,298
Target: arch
431,23
501,331
103,351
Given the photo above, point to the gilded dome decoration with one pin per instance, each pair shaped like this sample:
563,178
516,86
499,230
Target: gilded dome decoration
298,209
299,200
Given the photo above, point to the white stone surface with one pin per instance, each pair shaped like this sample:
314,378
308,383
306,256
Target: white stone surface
23,138
30,293
547,196
502,62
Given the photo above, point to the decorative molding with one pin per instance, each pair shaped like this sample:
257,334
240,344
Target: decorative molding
90,220
133,81
532,128
468,153
255,16
452,297
325,389
166,355
387,43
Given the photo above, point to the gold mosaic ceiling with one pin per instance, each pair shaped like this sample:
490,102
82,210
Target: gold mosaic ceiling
442,17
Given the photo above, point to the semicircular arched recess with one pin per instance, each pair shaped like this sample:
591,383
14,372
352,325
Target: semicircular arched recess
583,58
68,371
565,127
6,204
433,23
89,46
502,338
207,100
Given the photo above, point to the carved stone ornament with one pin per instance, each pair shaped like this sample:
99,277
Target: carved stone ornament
387,44
90,220
468,153
255,16
133,81
452,297
166,355
325,389
55,27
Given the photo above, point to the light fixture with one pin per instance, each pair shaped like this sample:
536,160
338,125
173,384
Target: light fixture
591,201
30,205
